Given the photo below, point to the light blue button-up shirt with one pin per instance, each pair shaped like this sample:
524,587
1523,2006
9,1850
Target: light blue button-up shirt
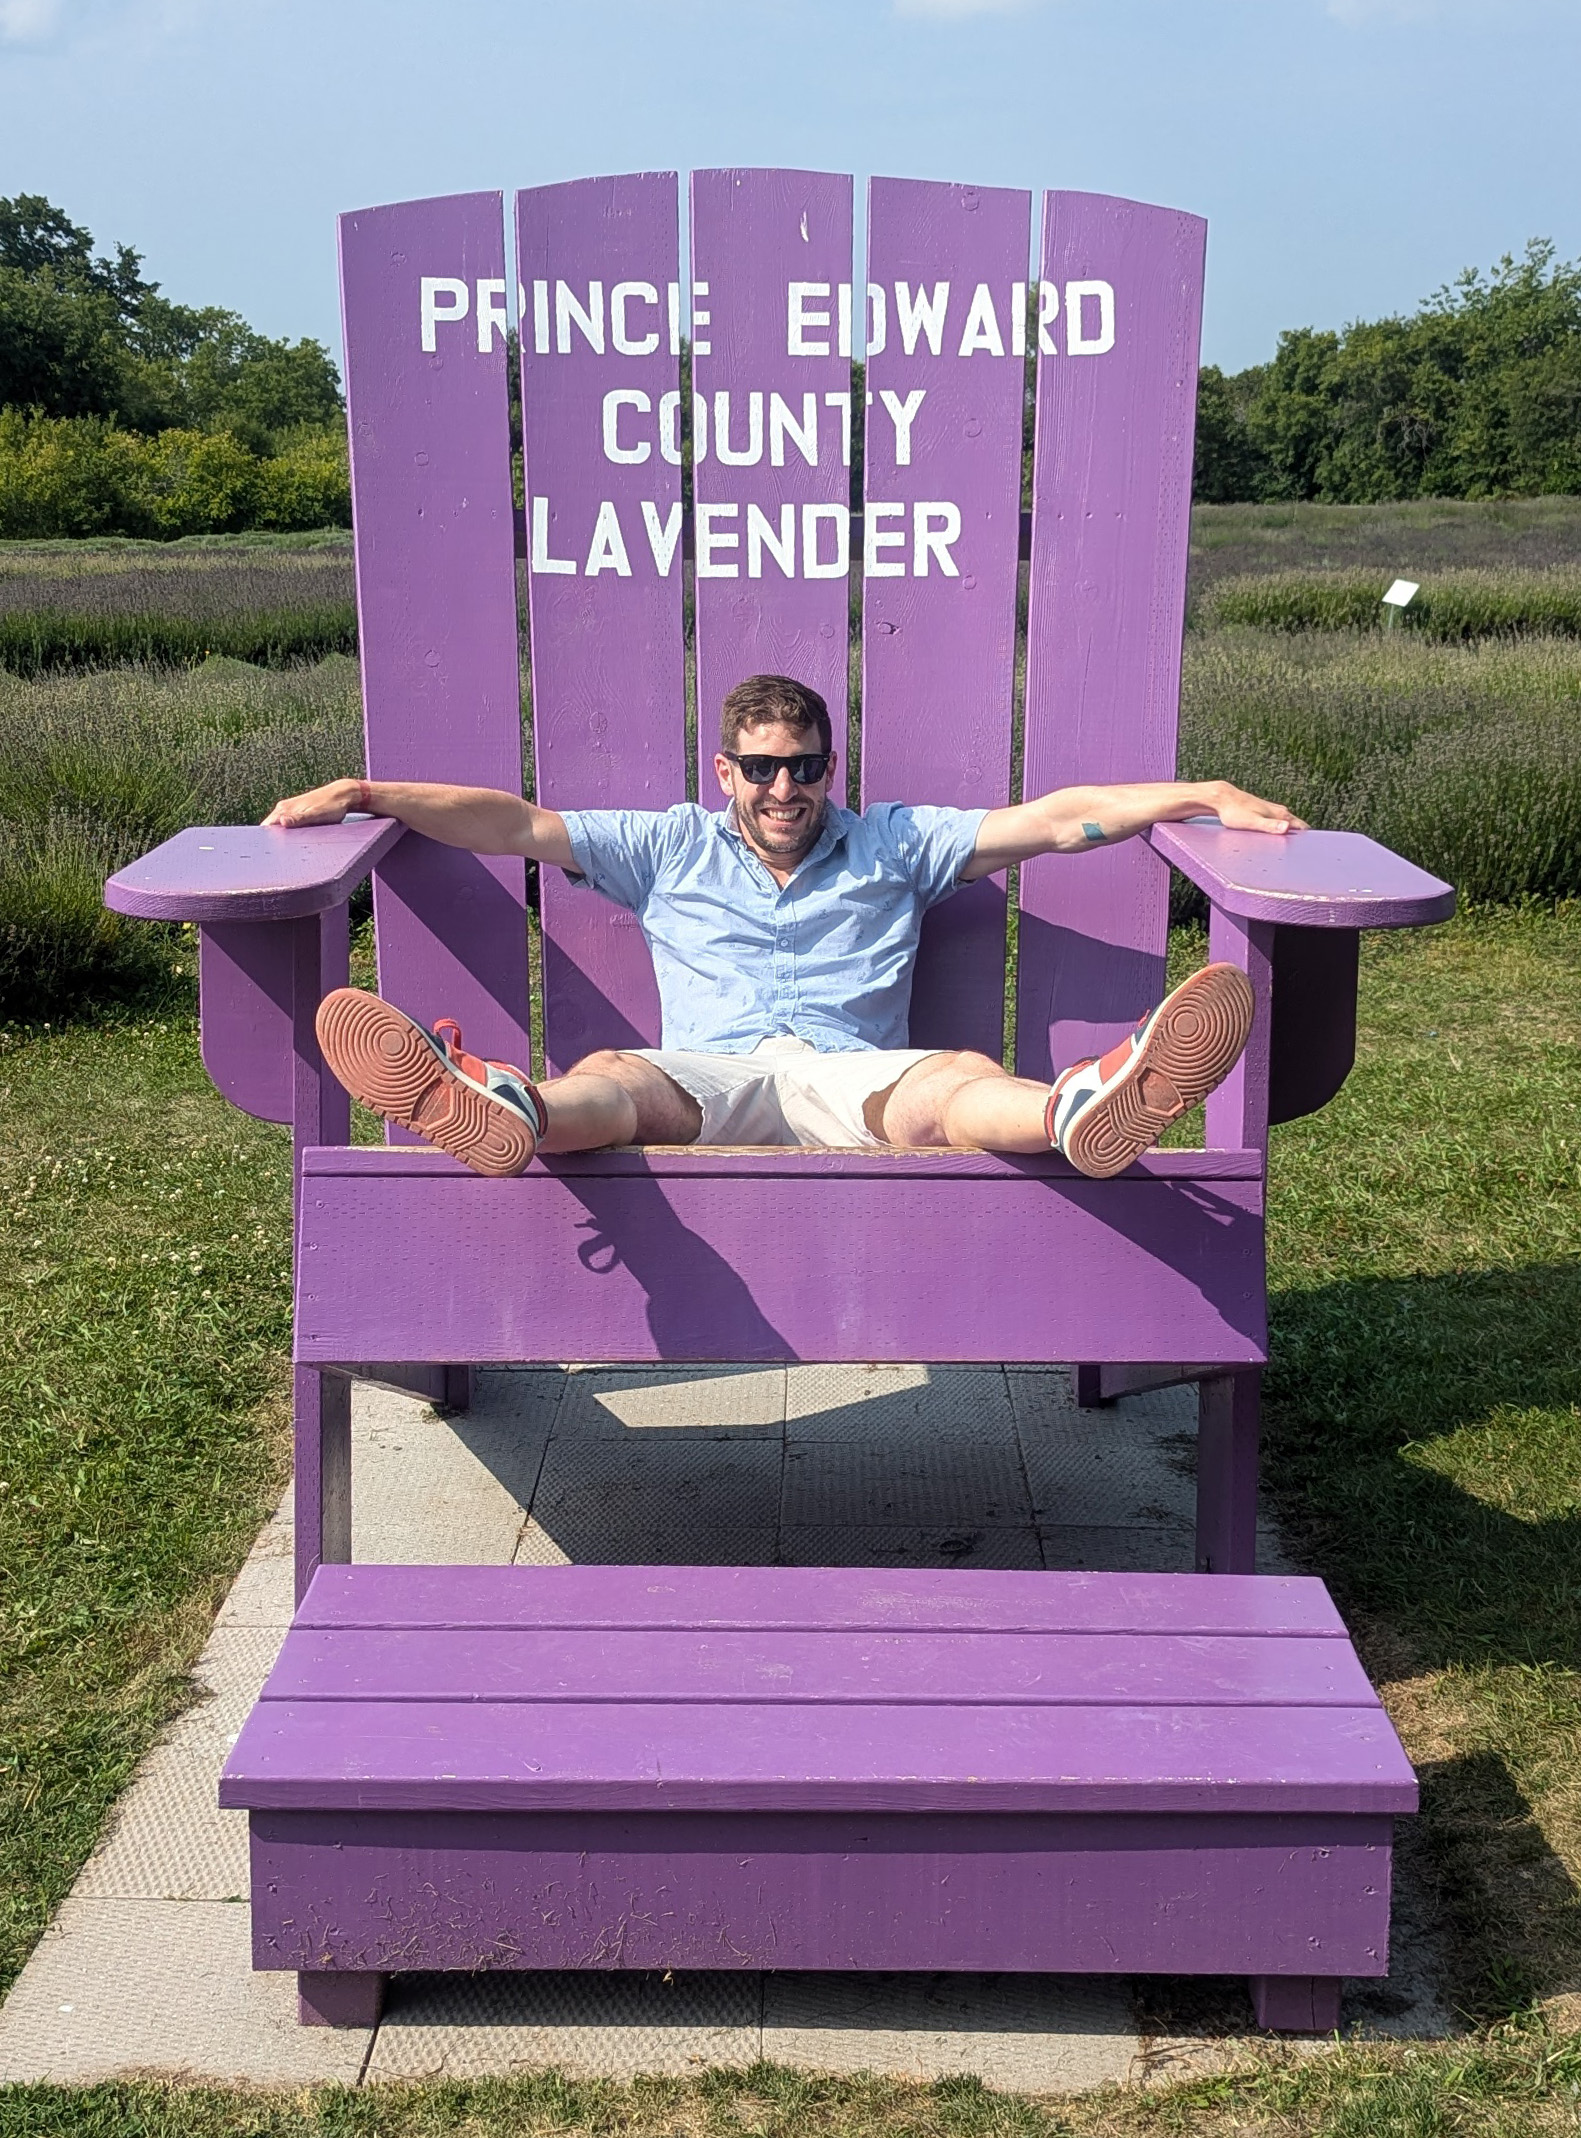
739,959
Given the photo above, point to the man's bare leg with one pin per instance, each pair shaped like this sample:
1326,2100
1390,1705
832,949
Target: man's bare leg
611,1097
962,1101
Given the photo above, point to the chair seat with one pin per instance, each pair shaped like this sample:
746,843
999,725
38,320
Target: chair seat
841,1766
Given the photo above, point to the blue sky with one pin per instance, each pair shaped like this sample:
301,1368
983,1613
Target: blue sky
1351,155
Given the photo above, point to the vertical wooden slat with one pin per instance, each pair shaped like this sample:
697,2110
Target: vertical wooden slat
938,645
755,234
1110,526
436,597
598,263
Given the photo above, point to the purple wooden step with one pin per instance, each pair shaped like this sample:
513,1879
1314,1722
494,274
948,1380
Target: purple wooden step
787,1599
926,1715
522,1767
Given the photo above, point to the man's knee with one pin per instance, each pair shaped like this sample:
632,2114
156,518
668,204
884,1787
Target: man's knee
665,1113
964,1066
608,1061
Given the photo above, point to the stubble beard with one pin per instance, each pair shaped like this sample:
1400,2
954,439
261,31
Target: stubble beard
782,851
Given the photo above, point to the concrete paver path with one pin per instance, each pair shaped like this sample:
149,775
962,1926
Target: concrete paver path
146,1967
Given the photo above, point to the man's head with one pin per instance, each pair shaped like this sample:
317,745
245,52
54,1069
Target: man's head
775,717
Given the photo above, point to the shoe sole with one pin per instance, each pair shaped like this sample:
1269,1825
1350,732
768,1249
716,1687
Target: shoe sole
1194,1044
387,1062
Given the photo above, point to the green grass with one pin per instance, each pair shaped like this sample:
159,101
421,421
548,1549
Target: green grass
1449,606
1425,1406
1523,2083
1424,1444
144,1328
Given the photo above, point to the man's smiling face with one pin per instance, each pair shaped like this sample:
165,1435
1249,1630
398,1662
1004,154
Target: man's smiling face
781,821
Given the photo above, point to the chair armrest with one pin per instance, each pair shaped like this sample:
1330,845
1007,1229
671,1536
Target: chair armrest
1303,879
252,872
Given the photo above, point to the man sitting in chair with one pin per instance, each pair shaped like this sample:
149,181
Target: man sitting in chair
784,932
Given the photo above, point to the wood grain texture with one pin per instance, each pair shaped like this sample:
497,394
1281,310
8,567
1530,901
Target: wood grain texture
937,1669
607,657
557,1266
1311,879
251,872
938,653
831,1600
404,1755
1147,1893
436,592
1110,524
754,233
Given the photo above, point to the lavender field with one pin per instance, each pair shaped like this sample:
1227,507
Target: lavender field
145,686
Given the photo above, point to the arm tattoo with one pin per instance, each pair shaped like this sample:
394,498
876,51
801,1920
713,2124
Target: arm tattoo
1093,833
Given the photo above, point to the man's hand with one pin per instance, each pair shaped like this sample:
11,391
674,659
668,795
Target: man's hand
483,820
1237,810
322,805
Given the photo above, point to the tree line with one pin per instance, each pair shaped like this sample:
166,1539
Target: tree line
123,411
1476,394
87,334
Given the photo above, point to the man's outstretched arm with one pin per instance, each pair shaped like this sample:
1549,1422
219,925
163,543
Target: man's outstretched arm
1075,819
484,820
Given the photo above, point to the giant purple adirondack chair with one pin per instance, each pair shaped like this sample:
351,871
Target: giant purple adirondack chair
704,1767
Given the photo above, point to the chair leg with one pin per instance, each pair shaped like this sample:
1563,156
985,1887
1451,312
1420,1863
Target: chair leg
323,1472
1227,1432
1087,1381
328,1998
1296,2004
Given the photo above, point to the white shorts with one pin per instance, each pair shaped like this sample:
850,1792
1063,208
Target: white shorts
785,1091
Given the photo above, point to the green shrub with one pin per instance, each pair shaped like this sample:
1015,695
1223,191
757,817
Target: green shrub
1450,606
95,769
82,475
60,946
1461,757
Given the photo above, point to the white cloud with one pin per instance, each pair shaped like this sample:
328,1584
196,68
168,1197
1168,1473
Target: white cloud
959,10
28,22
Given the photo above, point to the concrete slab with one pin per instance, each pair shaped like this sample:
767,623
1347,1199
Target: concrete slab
1112,1472
609,2026
877,1405
168,1839
1102,1549
447,1491
696,1539
609,1402
894,1544
1027,2033
122,1986
975,1485
262,1593
655,1494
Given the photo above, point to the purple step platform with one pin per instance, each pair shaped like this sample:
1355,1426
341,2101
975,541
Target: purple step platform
537,1767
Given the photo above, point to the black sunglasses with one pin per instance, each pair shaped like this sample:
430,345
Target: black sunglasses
806,770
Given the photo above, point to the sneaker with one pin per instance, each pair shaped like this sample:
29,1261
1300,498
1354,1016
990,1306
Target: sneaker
1102,1114
487,1114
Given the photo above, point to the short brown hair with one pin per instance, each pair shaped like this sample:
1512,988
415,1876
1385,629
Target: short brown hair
768,701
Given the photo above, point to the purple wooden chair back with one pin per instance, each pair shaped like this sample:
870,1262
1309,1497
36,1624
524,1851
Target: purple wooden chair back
774,312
